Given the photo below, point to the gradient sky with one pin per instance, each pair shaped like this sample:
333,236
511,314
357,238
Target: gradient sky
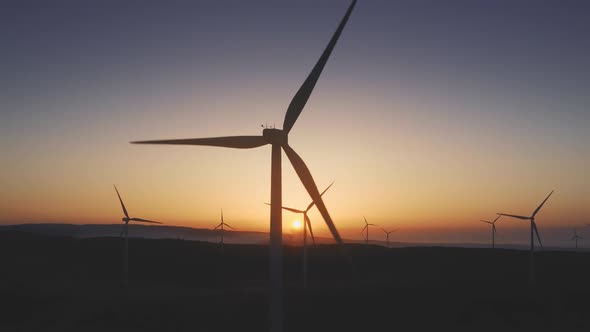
430,115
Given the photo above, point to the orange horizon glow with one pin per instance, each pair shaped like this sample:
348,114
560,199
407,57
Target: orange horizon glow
427,142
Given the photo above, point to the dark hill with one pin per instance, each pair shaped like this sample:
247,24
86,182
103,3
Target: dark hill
55,283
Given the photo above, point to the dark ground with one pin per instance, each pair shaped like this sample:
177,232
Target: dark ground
65,284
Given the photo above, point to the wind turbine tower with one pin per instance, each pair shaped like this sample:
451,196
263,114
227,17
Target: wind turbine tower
278,139
366,229
576,237
493,223
387,235
222,226
125,232
534,231
306,224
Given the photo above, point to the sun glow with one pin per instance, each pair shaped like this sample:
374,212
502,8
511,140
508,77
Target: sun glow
296,224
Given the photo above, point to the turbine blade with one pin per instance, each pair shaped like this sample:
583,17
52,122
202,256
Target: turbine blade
540,206
216,227
292,210
122,204
514,216
227,225
328,187
309,184
322,194
222,216
487,222
498,217
145,220
308,221
366,222
301,97
537,232
236,142
364,228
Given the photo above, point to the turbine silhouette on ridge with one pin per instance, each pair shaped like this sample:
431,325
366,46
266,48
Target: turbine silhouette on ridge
306,224
493,223
221,226
387,234
125,232
366,228
534,231
576,237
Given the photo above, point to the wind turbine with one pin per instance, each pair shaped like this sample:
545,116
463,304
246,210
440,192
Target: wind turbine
533,230
125,232
306,224
386,234
221,226
278,139
493,223
576,237
367,228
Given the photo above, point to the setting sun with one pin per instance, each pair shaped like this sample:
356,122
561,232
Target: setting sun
296,224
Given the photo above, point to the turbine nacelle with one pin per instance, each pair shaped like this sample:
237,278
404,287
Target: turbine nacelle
275,136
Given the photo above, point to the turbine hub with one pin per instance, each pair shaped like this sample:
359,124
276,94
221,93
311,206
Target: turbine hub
275,136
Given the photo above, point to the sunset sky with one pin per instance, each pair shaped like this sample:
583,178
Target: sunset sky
429,115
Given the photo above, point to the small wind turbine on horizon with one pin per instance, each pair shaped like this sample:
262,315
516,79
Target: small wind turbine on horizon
278,139
576,237
125,232
493,223
221,226
387,235
534,231
366,228
306,224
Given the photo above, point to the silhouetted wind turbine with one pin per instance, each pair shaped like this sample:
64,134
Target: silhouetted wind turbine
126,221
493,223
306,224
279,139
221,226
386,234
367,229
533,230
576,237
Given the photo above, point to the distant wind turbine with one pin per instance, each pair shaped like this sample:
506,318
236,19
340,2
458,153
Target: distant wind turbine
533,230
576,237
278,139
125,232
366,228
306,224
493,223
387,234
221,226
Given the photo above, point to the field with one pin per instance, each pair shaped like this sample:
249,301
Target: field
66,284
